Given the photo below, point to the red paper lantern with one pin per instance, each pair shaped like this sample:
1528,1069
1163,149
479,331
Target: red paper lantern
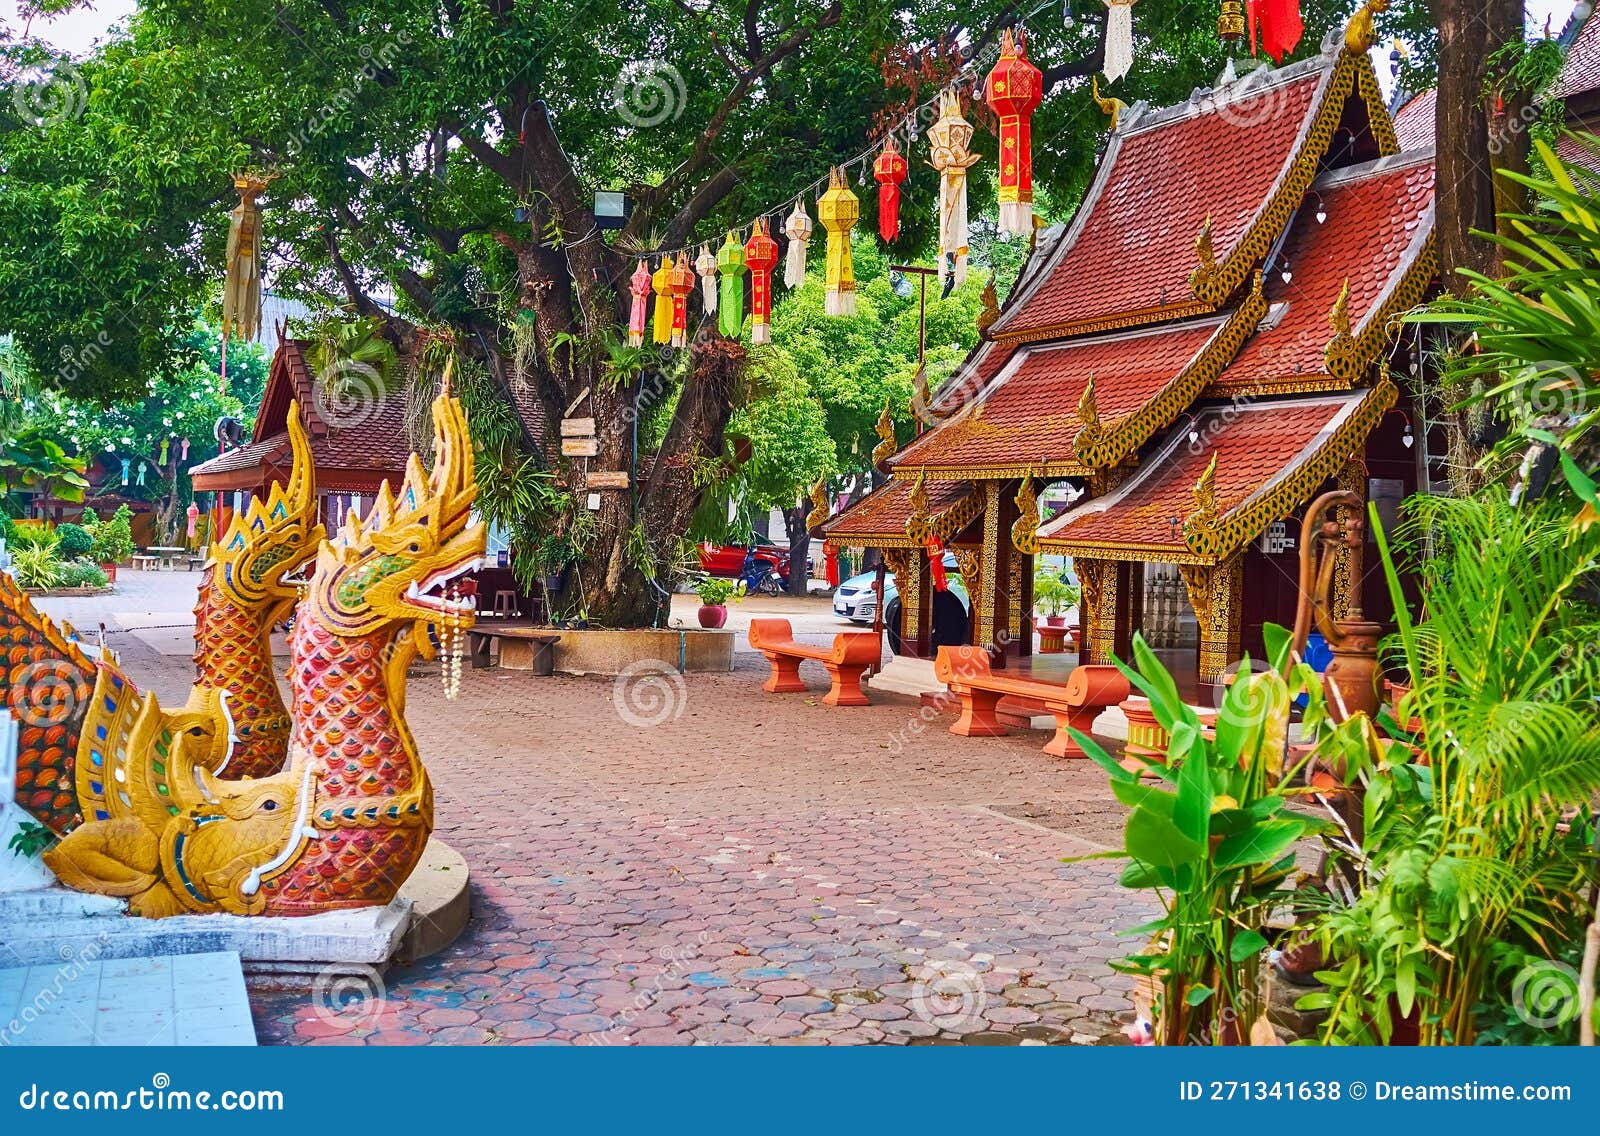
1013,91
761,257
890,171
680,283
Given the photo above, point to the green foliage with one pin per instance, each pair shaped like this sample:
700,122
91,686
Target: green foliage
714,590
81,574
113,538
1538,326
1481,855
73,541
36,566
1051,594
31,840
1212,837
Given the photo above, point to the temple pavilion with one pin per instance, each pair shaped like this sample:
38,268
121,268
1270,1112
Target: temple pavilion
1209,343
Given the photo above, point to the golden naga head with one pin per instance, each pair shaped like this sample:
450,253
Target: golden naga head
390,568
272,538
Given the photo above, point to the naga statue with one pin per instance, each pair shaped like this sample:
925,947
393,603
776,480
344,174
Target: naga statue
345,822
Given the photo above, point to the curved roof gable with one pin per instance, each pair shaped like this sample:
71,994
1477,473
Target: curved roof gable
1242,157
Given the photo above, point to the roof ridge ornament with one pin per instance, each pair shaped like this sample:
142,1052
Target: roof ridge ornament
1361,32
1111,105
1205,513
886,447
1206,251
918,524
819,505
1089,414
991,298
1025,529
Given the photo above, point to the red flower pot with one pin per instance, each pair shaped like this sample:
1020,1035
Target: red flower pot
713,616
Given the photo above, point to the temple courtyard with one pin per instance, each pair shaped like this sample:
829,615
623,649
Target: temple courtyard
683,860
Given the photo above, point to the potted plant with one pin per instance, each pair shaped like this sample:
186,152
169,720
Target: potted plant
113,539
1052,596
714,592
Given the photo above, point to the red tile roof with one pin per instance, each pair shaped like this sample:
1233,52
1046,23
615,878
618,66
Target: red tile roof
1414,121
1032,414
883,512
1377,215
356,441
1134,245
1580,73
1253,444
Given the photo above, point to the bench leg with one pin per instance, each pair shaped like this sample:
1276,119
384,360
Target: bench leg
478,646
977,718
1079,718
844,685
785,675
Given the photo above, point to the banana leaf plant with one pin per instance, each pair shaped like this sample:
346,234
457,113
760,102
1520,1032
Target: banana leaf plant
1209,834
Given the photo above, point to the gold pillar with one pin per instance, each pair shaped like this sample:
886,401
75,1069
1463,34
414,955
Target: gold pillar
1352,477
1216,592
989,626
910,586
1097,611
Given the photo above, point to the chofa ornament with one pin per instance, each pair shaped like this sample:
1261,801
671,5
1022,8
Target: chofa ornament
345,823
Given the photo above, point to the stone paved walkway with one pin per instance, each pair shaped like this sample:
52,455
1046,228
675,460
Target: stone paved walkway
692,860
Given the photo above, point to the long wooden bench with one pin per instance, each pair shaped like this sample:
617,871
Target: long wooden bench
1075,705
849,657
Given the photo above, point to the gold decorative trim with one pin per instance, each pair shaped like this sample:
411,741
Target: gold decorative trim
991,560
1097,445
1025,530
1216,592
1313,384
1129,551
1349,356
957,516
1216,537
1014,596
991,472
881,541
1105,323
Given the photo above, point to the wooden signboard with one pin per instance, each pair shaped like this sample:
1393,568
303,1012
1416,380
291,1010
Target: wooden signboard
607,479
579,447
577,427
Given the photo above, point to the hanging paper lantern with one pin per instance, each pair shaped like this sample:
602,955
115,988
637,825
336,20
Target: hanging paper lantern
241,287
949,137
890,171
1118,38
1013,91
838,210
680,283
706,266
761,257
661,284
730,305
640,288
798,229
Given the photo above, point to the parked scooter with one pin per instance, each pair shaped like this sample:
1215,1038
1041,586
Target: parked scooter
760,575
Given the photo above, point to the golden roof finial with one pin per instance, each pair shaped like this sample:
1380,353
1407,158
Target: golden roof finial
1088,409
886,446
918,526
1205,499
1112,106
819,505
991,306
1206,252
1025,530
1339,317
1362,32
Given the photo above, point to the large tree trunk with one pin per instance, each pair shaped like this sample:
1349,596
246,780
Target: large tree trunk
794,525
1475,135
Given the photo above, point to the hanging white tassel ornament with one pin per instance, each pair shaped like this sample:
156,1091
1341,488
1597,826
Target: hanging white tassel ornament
949,138
798,229
1119,38
706,265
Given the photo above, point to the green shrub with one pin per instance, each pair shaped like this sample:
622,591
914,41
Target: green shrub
113,539
73,541
81,574
35,566
32,534
713,590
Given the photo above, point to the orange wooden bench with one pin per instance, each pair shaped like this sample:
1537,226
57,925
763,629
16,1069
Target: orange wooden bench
1087,691
849,657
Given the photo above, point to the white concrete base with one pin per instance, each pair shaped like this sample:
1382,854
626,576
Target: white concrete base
48,924
905,675
16,872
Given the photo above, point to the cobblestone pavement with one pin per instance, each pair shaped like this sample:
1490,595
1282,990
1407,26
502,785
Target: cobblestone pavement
681,860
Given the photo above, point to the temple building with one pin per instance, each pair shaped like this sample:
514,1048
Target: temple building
1209,343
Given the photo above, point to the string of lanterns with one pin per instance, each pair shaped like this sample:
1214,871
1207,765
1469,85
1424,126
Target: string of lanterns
1013,90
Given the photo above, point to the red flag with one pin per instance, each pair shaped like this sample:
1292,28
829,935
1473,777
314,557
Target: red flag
1280,26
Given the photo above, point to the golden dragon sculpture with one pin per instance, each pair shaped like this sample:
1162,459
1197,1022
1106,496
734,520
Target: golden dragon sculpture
344,824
